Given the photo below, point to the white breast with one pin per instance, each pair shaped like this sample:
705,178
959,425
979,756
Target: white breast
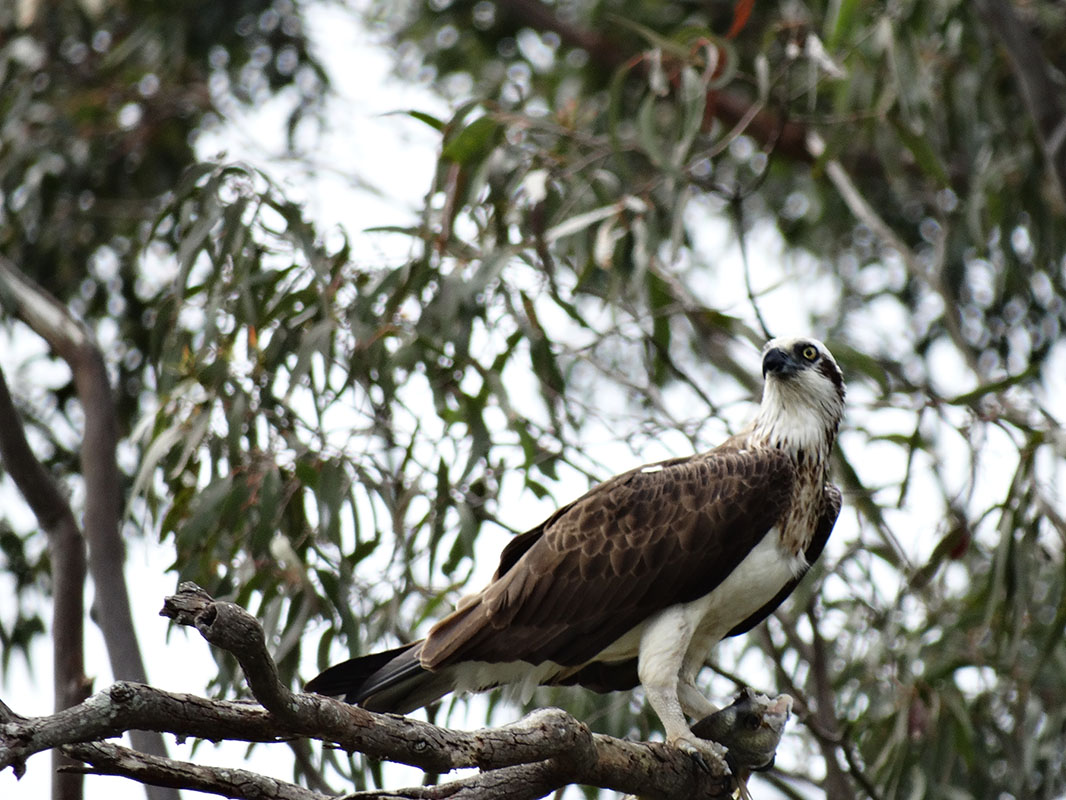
755,581
685,632
698,625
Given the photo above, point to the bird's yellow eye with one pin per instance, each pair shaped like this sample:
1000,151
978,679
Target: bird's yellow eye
810,352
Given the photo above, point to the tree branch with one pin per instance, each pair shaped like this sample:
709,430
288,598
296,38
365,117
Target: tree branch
75,344
548,748
830,733
110,759
540,753
836,784
66,550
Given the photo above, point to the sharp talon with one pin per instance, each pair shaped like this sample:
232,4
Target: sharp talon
709,757
696,756
767,766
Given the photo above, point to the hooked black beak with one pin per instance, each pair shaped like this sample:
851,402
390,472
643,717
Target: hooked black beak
779,362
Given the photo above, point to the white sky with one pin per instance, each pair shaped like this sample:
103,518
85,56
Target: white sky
398,154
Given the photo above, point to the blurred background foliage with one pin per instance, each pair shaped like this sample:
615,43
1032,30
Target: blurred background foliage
626,193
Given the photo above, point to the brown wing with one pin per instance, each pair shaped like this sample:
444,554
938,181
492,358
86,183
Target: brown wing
638,543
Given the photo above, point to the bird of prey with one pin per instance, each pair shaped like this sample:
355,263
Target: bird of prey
636,581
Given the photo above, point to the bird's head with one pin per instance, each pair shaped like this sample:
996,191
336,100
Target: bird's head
803,398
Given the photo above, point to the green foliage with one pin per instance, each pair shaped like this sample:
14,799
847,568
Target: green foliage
100,116
20,624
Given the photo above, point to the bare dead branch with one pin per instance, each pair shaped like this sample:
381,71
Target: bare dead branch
539,754
230,627
545,749
563,747
110,759
535,756
517,782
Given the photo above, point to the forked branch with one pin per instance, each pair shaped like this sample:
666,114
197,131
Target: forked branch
533,757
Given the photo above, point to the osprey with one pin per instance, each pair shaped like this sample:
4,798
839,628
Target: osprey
638,579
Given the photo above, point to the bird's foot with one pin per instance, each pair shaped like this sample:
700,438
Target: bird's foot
710,756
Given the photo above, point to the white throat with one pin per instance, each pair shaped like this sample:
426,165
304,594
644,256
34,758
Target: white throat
798,415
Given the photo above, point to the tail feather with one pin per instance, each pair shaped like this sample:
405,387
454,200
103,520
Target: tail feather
390,681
